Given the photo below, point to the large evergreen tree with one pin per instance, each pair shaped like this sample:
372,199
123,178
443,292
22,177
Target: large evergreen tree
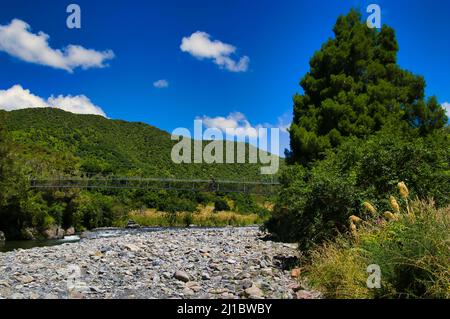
353,88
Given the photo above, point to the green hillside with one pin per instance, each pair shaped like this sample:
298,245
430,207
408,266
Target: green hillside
55,141
50,142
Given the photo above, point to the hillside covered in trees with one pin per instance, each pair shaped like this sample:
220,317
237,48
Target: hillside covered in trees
57,142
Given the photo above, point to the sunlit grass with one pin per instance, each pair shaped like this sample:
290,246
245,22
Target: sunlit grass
411,246
205,216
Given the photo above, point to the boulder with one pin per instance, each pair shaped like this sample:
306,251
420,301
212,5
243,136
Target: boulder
54,232
70,231
29,233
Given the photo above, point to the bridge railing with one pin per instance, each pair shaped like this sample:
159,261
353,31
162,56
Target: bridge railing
225,186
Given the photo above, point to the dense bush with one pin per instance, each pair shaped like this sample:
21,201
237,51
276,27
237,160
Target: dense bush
221,204
315,203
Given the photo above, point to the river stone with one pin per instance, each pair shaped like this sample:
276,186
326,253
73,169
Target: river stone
131,247
206,276
25,279
181,275
187,292
254,292
305,294
70,231
53,232
193,285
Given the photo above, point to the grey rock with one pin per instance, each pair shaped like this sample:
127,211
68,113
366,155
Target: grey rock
254,292
181,275
70,231
53,232
206,276
25,279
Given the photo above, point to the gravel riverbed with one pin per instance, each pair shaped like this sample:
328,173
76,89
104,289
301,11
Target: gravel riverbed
183,263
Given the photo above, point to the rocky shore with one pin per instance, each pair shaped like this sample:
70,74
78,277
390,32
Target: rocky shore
183,263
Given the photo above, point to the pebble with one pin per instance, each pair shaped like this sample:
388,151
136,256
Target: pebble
181,275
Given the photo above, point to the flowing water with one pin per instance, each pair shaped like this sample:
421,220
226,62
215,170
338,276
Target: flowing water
26,244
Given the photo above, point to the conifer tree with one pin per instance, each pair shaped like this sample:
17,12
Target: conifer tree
353,88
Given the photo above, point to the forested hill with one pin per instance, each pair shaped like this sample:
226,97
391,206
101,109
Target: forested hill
52,141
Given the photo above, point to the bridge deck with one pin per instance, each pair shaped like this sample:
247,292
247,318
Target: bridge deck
225,186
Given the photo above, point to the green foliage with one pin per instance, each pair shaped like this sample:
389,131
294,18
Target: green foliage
361,125
221,204
354,87
51,142
57,142
413,254
314,204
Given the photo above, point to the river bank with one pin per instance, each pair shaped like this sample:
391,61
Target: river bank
185,263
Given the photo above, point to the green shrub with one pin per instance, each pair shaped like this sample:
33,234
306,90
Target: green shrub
221,204
314,204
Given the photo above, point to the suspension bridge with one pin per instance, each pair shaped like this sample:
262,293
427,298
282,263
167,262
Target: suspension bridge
195,185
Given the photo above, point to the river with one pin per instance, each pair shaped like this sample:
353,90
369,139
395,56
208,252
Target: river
26,244
92,234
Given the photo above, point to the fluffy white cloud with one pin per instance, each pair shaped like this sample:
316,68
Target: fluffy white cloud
236,121
17,40
446,107
17,97
161,84
79,104
200,45
243,128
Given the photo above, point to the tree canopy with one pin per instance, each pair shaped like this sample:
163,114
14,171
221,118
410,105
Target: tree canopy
354,87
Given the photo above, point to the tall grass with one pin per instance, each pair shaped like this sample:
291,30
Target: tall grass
205,217
411,246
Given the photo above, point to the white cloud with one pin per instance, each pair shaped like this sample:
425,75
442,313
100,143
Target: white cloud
243,128
200,45
17,40
446,106
161,84
236,121
79,104
17,97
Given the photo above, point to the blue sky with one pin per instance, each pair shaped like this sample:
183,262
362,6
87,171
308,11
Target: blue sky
249,76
